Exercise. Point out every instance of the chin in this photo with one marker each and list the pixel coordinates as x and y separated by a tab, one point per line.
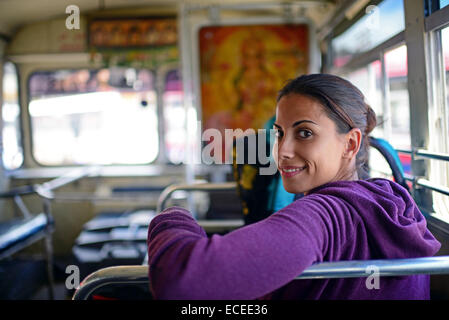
295	189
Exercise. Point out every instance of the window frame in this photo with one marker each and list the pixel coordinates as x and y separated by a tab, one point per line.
438	95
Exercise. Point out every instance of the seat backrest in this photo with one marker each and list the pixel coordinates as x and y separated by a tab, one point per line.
391	156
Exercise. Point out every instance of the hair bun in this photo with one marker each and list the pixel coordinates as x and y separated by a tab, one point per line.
371	120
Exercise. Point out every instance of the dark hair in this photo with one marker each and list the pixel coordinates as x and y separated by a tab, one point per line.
343	103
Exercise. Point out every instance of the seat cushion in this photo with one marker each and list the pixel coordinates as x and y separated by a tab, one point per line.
17	231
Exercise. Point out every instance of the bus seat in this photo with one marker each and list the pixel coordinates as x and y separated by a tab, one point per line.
112	238
391	156
100	284
18	233
21	232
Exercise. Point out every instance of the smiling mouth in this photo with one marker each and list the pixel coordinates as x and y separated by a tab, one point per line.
291	171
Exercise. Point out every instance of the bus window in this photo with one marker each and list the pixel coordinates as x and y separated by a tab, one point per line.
396	72
440	169
445	45
368	80
180	140
378	24
105	116
174	118
12	153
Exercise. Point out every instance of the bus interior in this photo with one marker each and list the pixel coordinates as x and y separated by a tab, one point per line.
104	104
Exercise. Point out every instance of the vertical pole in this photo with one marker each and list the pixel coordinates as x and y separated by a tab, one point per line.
159	86
188	89
49	248
418	84
386	105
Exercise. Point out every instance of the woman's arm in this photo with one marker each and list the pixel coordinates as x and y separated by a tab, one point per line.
244	264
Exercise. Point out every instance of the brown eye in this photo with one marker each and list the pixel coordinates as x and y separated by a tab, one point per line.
304	133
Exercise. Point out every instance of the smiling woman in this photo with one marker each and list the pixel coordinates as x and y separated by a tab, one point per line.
322	122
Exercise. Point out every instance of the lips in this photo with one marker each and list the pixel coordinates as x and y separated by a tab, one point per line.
290	171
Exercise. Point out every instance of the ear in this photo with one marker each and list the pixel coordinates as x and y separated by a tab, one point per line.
353	140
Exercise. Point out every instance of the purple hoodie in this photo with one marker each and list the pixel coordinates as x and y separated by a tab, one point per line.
343	220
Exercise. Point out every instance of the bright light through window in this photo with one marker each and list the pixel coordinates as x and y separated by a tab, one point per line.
12	153
93	117
396	69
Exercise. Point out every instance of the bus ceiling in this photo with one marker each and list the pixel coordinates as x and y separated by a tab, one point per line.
14	14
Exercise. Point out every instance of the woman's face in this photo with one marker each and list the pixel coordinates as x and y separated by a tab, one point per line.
308	150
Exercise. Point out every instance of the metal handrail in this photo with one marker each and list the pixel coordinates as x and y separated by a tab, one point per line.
46	189
426	154
418	181
165	195
324	270
432	186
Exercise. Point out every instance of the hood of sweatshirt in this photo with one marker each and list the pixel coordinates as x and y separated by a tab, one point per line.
395	227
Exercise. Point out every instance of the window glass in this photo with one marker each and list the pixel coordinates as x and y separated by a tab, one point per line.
174	118
380	23
368	80
444	3
180	140
396	69
439	170
105	116
12	153
445	45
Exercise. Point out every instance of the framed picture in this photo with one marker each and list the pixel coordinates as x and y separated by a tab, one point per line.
242	67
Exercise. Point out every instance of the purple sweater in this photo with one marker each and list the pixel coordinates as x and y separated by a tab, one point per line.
344	220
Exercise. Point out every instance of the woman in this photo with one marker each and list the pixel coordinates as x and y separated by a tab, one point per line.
322	124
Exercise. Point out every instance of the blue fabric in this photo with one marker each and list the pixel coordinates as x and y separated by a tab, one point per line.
15	232
386	145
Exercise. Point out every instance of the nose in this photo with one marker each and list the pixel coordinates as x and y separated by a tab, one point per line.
285	149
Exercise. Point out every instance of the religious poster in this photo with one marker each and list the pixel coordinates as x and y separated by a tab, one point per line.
243	68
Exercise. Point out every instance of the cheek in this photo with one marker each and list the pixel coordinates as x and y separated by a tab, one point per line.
322	155
274	152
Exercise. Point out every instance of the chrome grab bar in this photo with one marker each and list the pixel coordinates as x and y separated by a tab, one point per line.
165	195
45	190
425	154
324	270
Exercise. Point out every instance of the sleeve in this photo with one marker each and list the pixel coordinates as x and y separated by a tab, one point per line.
246	263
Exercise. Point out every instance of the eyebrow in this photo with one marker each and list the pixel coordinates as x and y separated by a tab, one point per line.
296	123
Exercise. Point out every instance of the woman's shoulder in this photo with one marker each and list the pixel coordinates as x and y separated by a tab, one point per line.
370	185
358	194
